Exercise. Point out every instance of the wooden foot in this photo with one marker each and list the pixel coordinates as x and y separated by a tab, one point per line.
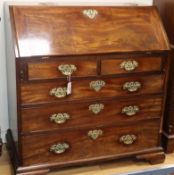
152	158
15	161
11	148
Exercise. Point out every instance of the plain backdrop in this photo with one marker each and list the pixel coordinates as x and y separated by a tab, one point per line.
3	86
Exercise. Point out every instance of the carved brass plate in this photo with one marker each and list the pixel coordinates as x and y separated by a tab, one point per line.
60	118
129	65
59	92
96	108
67	69
94	134
128	139
90	13
97	85
132	86
59	148
130	110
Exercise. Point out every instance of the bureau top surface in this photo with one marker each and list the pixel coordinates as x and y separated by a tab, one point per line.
56	31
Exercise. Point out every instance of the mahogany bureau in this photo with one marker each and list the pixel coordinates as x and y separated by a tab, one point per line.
86	84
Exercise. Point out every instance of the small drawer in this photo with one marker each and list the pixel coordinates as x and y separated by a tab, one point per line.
140	64
55	69
70	115
44	92
63	147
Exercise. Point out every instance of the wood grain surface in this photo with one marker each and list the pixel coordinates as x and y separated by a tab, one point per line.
36	147
49	70
40	92
145	64
166	9
47	36
38	118
67	31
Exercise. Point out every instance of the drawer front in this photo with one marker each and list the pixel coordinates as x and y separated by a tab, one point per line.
119	66
86	89
95	113
75	145
56	69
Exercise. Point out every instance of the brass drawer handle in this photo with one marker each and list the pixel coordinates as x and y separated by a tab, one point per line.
67	69
132	86
59	118
128	139
96	108
129	65
59	92
59	148
97	85
130	110
90	13
94	134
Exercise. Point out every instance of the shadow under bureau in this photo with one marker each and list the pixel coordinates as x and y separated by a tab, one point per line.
85	85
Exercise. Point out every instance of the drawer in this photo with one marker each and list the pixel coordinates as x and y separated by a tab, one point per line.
32	93
64	147
70	115
56	69
141	64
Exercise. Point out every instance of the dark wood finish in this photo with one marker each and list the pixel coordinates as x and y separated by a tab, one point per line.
15	159
38	118
32	93
82	147
166	9
49	70
46	167
13	153
129	29
112	66
95	46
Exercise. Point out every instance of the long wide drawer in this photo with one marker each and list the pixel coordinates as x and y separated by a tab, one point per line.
94	88
76	145
70	115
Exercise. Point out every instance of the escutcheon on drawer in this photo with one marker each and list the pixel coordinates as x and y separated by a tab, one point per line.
63	147
45	92
130	65
61	68
63	116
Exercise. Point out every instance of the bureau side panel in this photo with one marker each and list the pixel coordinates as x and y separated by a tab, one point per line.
166	9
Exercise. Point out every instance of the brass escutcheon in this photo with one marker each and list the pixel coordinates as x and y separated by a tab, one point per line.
90	13
96	108
67	69
129	65
132	86
130	110
59	148
94	134
59	92
128	139
97	85
59	118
